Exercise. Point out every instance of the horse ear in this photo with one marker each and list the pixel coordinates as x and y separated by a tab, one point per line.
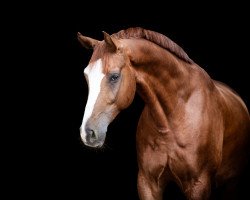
111	42
87	42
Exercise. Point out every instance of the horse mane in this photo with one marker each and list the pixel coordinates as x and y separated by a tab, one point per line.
157	38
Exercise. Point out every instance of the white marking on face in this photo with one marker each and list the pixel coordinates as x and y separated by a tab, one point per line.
94	73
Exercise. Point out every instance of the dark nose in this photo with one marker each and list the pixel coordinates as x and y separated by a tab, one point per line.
91	136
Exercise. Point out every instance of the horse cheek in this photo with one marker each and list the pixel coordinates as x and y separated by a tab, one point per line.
127	89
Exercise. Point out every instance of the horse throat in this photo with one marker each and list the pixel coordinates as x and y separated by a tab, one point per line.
164	88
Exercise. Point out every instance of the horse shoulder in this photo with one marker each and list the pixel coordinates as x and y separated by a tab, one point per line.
236	132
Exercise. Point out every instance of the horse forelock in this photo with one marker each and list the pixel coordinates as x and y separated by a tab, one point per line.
101	50
98	52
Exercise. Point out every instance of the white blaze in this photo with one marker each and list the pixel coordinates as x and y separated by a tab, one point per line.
95	76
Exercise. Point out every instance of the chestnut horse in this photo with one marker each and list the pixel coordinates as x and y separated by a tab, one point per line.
193	130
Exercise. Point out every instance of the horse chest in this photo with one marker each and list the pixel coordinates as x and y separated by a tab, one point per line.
159	153
167	163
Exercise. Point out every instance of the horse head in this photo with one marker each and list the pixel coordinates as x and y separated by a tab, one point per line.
111	84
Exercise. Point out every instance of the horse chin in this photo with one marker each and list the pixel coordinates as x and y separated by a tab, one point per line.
95	145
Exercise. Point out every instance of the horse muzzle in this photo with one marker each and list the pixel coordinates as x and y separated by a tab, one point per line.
92	137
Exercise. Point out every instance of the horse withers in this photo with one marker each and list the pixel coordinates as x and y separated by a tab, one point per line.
193	130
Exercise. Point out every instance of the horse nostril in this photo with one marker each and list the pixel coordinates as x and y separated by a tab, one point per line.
91	133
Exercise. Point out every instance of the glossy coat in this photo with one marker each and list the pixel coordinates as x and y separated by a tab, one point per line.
193	130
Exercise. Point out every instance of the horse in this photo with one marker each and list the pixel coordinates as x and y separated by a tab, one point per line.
193	130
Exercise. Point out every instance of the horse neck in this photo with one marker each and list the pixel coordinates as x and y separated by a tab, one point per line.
163	81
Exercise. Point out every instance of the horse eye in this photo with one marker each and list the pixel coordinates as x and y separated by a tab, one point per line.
113	78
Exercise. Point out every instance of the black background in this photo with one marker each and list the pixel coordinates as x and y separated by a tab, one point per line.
52	160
